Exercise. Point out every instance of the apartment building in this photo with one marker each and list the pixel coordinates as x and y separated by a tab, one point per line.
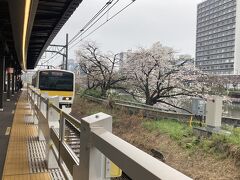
218	37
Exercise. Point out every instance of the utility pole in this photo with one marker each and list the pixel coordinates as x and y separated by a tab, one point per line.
63	63
66	60
2	78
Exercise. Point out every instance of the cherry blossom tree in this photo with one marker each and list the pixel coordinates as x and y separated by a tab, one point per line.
218	84
157	76
99	69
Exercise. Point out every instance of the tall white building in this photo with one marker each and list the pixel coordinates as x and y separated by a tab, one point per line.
218	36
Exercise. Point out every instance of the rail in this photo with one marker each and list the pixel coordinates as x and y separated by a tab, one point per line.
97	145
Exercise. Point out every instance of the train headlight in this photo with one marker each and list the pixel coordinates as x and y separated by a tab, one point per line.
67	98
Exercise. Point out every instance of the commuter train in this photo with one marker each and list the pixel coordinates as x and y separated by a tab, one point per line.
59	83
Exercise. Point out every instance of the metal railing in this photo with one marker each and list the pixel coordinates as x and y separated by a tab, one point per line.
146	110
131	103
97	145
156	113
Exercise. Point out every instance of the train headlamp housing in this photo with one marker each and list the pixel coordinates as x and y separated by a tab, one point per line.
67	98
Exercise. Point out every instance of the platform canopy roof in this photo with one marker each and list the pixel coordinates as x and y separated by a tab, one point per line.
28	26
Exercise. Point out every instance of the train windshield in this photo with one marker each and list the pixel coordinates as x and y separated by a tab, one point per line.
56	80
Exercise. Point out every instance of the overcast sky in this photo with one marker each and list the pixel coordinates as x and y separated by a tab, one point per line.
172	22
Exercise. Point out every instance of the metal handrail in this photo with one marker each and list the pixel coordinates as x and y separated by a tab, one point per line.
137	160
72	120
65	154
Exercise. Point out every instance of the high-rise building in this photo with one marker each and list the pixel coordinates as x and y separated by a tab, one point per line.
72	65
218	36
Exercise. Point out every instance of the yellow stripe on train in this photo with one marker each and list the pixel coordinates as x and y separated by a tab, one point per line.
57	93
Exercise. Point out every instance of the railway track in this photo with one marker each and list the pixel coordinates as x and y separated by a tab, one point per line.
72	138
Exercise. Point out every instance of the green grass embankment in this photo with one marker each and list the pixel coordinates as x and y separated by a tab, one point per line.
220	145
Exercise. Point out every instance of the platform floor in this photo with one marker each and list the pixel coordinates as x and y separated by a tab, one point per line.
6	119
17	164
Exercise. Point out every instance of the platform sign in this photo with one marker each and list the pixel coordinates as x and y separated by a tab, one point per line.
9	70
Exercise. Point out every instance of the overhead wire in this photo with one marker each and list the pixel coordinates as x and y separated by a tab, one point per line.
92	19
113	16
85	26
81	32
51	57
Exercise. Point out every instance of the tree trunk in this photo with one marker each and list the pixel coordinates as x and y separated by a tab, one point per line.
103	92
149	101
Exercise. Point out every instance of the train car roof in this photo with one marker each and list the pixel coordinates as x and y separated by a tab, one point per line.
40	70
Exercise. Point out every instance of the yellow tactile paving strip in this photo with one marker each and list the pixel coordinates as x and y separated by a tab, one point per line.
16	165
38	176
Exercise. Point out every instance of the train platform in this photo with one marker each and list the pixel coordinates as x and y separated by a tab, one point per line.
25	154
6	119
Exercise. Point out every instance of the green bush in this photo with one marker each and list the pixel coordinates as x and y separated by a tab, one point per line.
91	92
217	144
173	128
220	143
234	137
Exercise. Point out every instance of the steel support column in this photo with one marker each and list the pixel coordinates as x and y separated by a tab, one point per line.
2	69
5	77
16	83
8	86
13	82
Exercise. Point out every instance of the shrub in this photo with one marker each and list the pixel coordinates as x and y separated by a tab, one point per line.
173	128
92	92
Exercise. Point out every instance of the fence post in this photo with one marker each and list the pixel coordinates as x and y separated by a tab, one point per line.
53	122
27	91
35	98
51	114
39	102
61	135
33	95
36	121
43	107
92	161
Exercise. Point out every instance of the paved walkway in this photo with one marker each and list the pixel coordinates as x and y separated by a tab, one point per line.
17	165
6	119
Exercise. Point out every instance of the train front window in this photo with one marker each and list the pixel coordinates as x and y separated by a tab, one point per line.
56	80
